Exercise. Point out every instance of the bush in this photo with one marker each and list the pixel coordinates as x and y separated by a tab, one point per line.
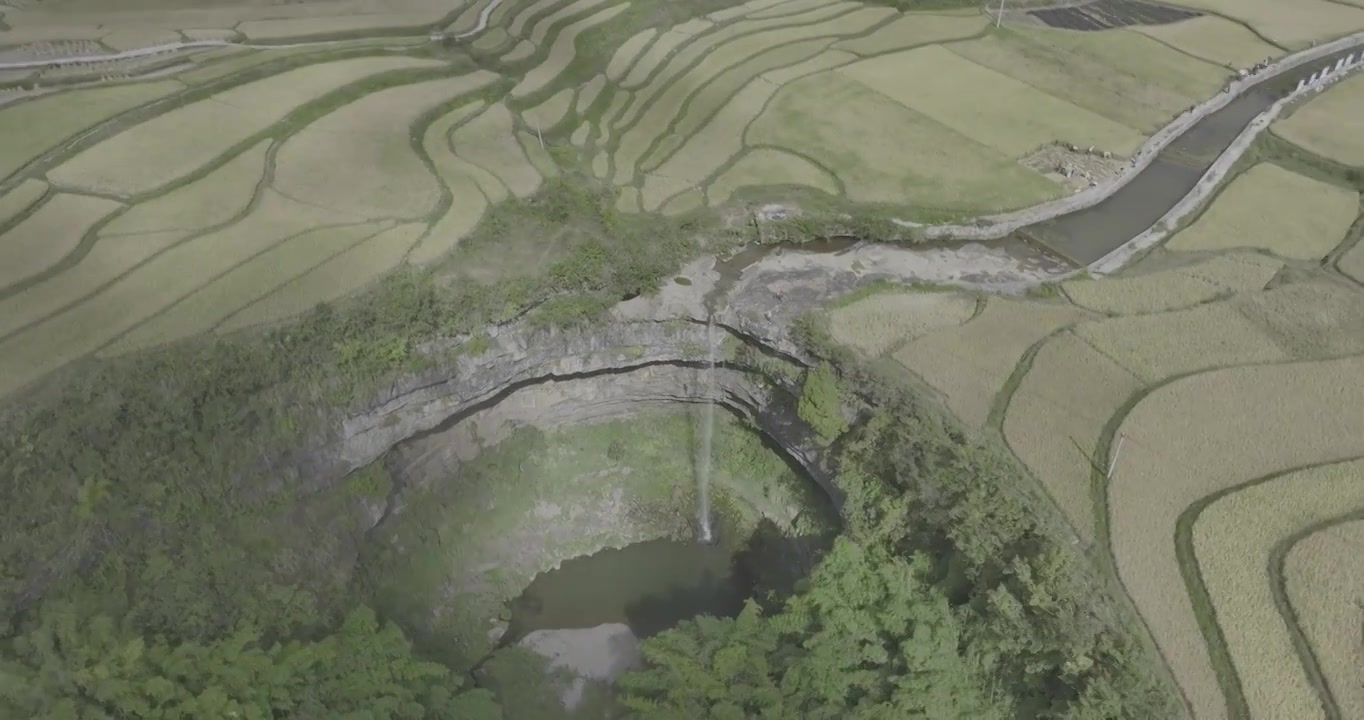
820	405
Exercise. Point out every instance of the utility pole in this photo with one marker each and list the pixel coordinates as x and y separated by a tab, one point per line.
999	17
1116	450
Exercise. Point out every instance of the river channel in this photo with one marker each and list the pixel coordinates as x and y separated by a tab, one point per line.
1086	235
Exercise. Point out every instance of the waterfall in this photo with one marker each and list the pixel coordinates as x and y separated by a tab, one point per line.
707	429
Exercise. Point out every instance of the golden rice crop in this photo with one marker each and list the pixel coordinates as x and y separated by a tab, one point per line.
971	99
276	29
659	188
665	107
1194	437
742	9
827	60
678	62
1212	38
880	322
523	50
51	233
519	22
790	7
1275	209
1325	582
1352	263
970	364
1056	416
685	202
255	278
19	199
487	141
378	175
589	92
1126	77
191	136
1174	288
885	152
30	128
467	200
1291	23
215	198
769	166
108	259
561	51
717	142
711	94
548	113
136	296
1233	538
1309	320
580	135
1331	124
913	30
626	54
1158	346
340	276
540	31
654	54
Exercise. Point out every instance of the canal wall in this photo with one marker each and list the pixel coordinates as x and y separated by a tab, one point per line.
1169	223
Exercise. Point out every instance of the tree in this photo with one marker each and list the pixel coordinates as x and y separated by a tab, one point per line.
70	667
819	404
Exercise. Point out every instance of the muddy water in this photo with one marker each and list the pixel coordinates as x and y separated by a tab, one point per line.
1087	235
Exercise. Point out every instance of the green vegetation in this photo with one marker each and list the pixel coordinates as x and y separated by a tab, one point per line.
949	596
539	498
66	665
819	403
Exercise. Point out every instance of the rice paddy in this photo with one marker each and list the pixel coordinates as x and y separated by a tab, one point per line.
1214	39
883	151
1174	289
1293	24
1331	124
1056	417
52	232
1271	208
1233	539
766	166
379	176
970	364
1119	75
194	135
1197	436
1325	585
876	324
969	98
29	129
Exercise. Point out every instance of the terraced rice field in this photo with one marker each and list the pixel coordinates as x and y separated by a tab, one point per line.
1215	39
1233	539
1331	124
1292	24
30	128
970	363
1174	289
192	136
876	324
1275	209
1325	587
1123	76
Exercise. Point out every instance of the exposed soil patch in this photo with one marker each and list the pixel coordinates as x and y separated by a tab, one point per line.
1075	169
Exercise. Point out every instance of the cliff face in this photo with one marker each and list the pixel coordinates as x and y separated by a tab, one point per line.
548	379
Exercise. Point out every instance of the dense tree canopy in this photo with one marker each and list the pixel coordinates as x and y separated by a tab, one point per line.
69	667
